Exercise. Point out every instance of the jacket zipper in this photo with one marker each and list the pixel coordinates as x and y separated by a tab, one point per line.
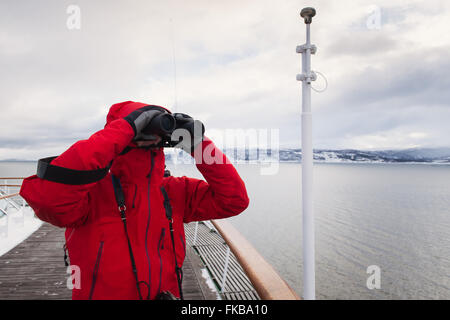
96	267
183	242
148	223
160	246
134	198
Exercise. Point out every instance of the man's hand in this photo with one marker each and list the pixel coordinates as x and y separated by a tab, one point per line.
139	119
188	132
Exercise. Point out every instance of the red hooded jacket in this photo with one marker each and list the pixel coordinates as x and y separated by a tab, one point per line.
95	235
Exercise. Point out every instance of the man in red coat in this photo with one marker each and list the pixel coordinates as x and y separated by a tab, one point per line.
136	251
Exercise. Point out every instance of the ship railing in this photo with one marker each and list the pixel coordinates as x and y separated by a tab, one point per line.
15	214
266	281
9	194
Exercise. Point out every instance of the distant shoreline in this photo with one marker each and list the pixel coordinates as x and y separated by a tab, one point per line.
15	160
239	162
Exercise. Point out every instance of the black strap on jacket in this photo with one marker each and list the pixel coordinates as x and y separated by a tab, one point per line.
178	270
53	173
120	198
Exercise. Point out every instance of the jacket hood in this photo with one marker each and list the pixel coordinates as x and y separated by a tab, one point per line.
138	163
122	109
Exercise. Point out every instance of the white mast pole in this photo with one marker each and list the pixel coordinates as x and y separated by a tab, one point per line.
309	285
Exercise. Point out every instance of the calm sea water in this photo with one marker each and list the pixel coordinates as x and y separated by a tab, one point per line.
394	216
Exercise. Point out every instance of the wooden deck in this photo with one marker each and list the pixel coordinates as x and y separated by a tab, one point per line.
35	270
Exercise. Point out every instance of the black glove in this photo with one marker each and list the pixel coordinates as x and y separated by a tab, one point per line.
195	130
139	119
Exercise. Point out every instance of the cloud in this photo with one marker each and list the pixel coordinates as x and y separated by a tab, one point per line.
235	67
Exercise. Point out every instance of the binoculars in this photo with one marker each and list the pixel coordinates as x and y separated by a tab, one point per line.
164	124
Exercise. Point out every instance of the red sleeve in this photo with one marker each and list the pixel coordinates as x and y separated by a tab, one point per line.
67	205
222	195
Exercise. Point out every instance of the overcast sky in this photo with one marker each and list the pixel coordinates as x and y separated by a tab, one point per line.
387	65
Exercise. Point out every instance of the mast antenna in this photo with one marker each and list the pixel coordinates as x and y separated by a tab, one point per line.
174	64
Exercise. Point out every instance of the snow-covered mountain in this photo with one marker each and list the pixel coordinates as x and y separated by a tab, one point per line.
418	155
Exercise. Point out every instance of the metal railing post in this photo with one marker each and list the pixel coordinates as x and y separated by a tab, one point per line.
194	241
225	270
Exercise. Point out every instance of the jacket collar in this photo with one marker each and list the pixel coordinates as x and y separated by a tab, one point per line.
136	165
